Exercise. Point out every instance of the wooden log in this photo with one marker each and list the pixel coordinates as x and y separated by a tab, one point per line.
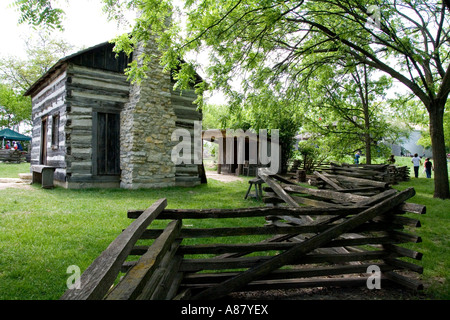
404	281
183	295
100	275
314	203
405	221
303	248
413	208
358	181
406	237
294	284
210	278
189	265
160	274
132	284
404	265
279	190
171	271
328	180
170	214
232	232
266	230
403	251
377	198
326	194
278	246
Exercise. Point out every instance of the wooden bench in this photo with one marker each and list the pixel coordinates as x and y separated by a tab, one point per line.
257	182
44	175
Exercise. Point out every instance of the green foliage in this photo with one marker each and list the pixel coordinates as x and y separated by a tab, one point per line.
344	108
39	13
14	107
311	154
43	50
17	75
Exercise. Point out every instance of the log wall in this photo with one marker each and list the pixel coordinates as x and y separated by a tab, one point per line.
187	114
89	92
49	102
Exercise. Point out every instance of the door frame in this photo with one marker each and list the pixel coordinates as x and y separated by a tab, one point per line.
44	139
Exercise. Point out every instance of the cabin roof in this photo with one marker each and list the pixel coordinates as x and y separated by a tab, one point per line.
78	58
62	61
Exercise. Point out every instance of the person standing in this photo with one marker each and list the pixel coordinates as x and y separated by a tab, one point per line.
428	167
416	163
357	156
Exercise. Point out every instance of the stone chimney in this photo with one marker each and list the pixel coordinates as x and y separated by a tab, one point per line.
147	122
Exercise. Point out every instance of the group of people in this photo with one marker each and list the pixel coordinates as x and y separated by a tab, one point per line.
417	161
15	145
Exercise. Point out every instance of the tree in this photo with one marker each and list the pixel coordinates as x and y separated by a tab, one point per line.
14	108
407	40
17	75
425	139
346	107
42	53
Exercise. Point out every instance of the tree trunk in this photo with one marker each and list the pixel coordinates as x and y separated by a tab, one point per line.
368	148
367	138
441	181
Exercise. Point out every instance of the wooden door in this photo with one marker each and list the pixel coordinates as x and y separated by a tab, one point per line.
43	149
108	144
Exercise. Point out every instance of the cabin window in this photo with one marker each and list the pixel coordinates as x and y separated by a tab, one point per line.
55	131
107	144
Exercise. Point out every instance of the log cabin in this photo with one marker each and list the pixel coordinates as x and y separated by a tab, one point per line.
96	129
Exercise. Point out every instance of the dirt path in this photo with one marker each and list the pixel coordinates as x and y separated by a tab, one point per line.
6	183
222	177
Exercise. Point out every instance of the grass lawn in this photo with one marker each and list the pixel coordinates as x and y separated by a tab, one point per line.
43	232
13	170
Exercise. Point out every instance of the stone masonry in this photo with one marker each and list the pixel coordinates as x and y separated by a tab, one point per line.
147	122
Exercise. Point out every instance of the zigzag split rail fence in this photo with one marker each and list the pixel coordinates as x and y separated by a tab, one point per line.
328	242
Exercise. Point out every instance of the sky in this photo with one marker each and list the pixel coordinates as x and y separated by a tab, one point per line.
85	25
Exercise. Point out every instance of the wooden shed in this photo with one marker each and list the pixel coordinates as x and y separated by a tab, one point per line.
79	110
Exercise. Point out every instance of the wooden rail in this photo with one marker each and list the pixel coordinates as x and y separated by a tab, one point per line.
296	253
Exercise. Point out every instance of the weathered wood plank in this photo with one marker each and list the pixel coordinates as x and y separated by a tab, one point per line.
404	265
211	278
255	247
294	284
159	275
134	281
358	181
254	261
328	180
404	281
314	203
99	276
326	194
248	212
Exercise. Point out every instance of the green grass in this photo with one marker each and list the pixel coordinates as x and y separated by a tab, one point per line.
434	231
42	232
12	170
